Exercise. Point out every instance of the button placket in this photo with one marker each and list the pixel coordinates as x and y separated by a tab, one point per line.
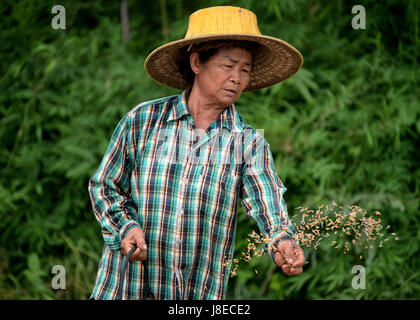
179	215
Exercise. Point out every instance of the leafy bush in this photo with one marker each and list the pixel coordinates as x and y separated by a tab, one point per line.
345	128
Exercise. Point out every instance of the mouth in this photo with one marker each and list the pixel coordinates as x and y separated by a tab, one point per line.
230	92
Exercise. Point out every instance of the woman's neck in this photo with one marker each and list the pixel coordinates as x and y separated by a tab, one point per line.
201	109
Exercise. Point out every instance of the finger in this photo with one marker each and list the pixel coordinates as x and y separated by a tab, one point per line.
139	255
126	246
139	242
299	258
289	253
295	271
291	271
286	269
278	259
142	255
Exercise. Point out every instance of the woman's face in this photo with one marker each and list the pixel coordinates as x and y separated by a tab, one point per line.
222	79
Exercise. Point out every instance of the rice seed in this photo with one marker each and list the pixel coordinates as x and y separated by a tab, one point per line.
359	228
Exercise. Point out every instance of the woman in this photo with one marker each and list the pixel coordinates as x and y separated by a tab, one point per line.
175	168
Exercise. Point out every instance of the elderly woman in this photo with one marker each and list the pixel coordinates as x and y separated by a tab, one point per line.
175	168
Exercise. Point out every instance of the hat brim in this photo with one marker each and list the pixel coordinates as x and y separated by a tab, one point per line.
275	62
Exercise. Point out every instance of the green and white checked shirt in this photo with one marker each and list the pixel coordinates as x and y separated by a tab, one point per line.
183	193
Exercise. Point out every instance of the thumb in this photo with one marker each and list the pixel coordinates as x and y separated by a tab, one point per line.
141	243
141	252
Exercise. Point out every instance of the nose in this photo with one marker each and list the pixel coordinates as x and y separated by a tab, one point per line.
235	76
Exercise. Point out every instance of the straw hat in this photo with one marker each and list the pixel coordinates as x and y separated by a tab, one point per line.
274	62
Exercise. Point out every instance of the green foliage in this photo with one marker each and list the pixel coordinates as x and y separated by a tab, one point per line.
344	128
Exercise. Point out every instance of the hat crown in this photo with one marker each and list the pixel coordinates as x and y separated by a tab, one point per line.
222	20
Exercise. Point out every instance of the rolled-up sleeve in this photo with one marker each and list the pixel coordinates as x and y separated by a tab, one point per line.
262	194
109	188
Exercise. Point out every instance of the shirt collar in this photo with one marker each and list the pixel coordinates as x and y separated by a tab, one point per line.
228	119
179	107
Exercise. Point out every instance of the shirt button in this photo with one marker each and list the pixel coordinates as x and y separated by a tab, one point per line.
181	211
184	181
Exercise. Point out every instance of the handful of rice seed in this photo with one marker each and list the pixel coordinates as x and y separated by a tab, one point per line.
343	228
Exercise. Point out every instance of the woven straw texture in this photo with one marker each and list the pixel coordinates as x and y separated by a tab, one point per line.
276	61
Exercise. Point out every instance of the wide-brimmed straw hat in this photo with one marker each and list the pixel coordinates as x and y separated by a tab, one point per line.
275	61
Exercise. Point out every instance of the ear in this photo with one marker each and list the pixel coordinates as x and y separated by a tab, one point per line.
195	63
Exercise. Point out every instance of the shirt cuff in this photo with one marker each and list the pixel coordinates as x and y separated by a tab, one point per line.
282	236
126	227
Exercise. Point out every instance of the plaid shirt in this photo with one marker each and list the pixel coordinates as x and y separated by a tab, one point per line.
183	193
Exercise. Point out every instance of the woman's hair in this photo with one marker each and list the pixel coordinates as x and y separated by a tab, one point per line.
206	50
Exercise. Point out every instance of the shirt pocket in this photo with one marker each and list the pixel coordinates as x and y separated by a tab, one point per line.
221	178
219	187
229	183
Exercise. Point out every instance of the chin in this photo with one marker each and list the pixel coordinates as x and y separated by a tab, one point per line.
227	101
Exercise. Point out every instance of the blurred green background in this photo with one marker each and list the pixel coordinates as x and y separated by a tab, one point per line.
345	128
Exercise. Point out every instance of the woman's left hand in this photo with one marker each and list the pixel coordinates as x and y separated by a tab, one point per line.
289	256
